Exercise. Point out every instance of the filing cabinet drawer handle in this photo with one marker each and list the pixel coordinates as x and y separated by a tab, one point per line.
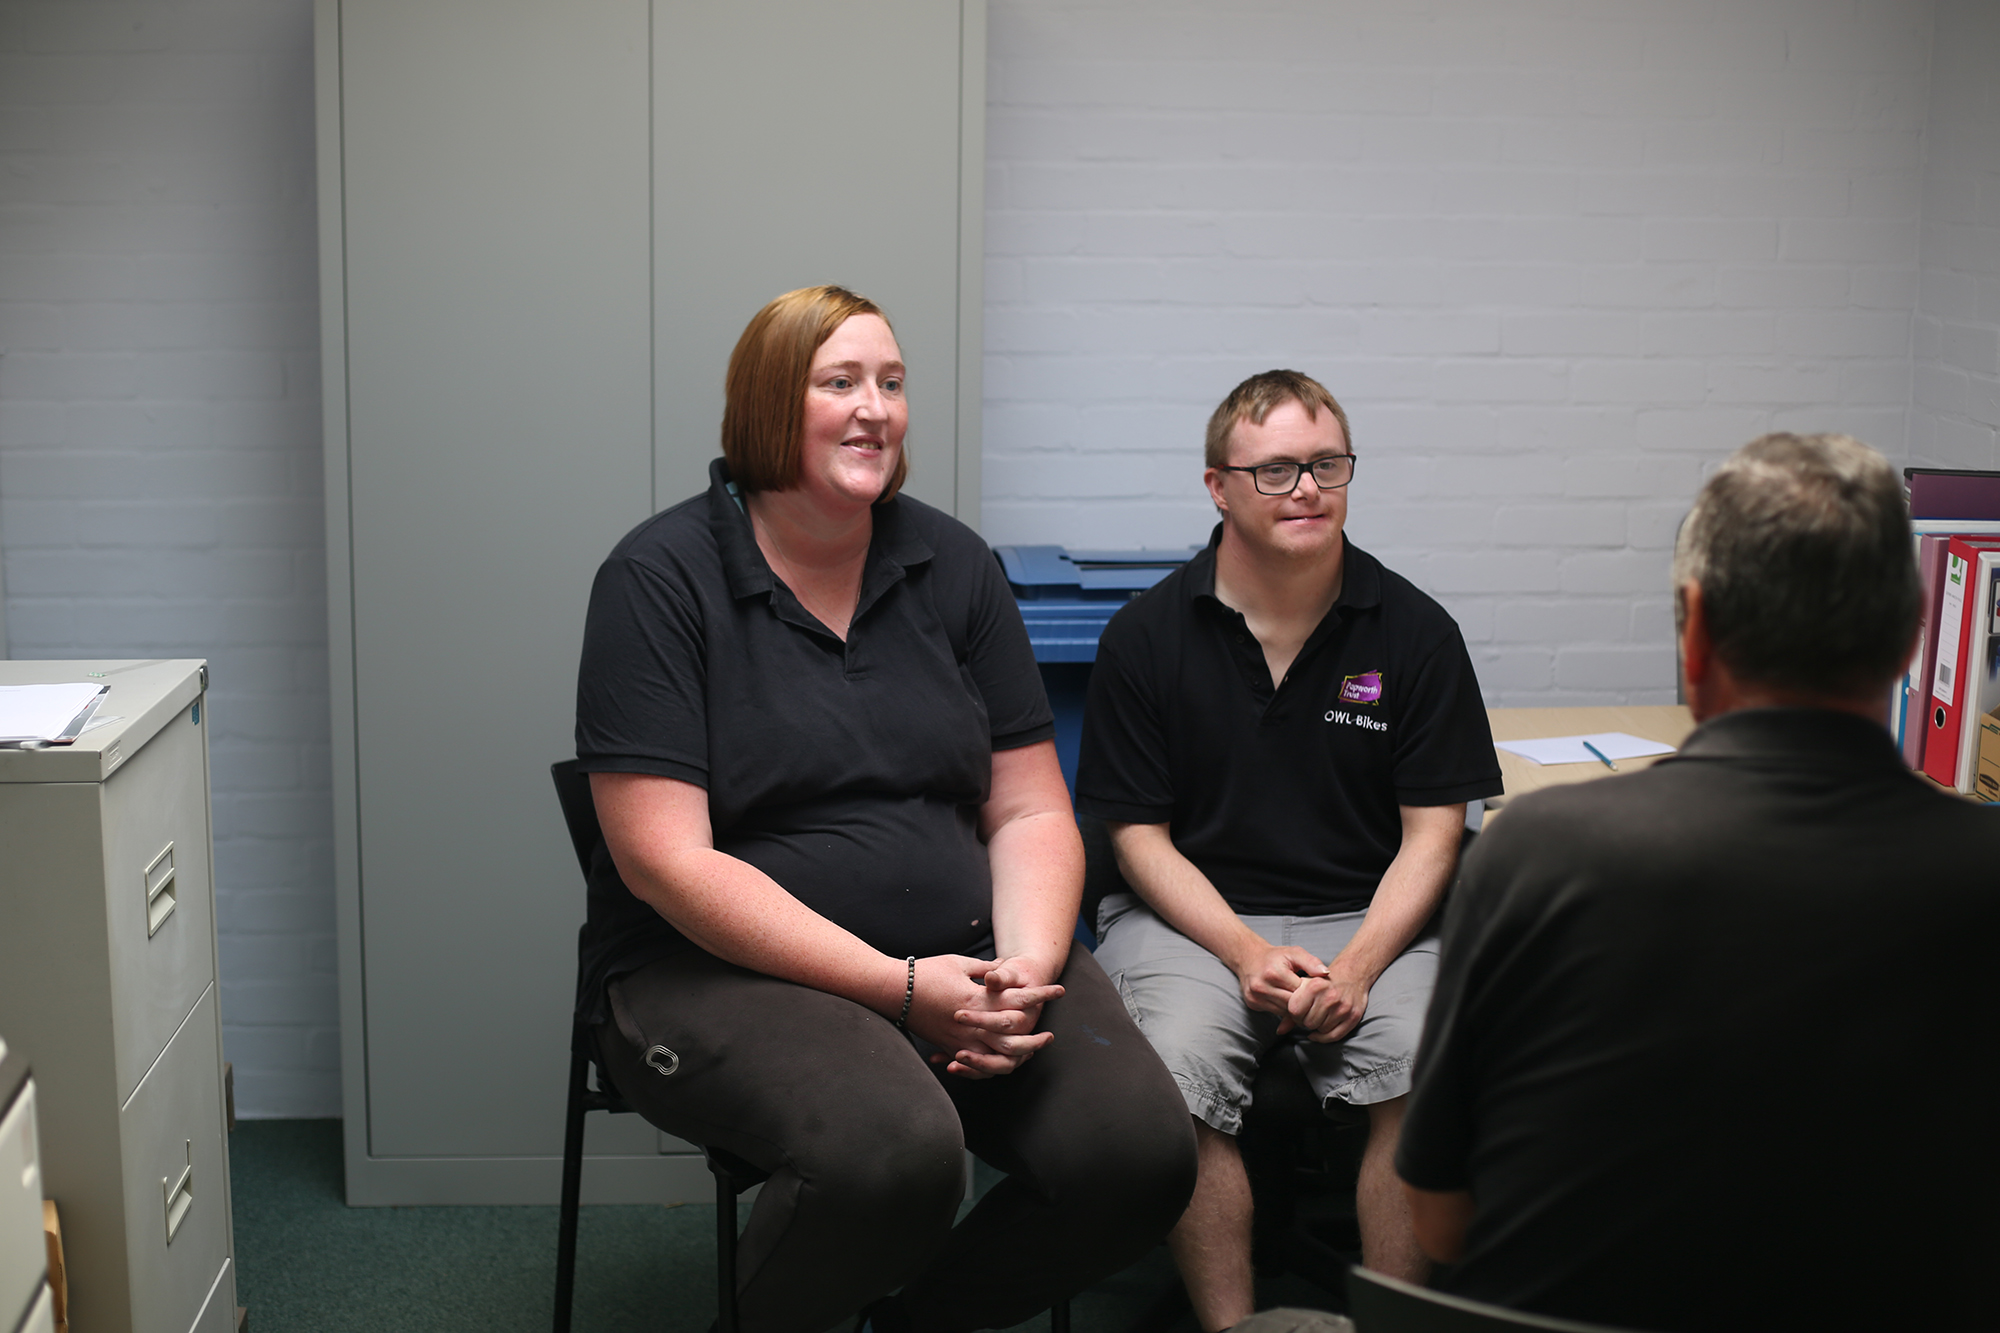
179	1194
159	891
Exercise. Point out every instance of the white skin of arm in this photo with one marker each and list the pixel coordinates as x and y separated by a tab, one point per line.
1410	891
1037	865
1326	999
659	836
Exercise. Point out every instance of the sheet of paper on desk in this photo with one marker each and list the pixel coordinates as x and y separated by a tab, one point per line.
1616	745
42	712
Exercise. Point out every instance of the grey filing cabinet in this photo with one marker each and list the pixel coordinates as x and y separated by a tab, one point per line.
108	989
26	1304
542	228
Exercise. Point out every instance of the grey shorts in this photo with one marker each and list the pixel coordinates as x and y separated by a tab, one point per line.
1190	1007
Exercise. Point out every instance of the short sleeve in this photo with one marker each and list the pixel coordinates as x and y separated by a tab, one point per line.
641	690
1435	1150
1444	745
1002	661
1122	772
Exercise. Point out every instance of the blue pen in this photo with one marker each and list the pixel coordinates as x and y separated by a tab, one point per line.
1600	756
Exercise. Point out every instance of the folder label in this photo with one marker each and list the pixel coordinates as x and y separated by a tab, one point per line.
1951	624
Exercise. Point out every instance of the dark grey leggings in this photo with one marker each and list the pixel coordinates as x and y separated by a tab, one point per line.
864	1142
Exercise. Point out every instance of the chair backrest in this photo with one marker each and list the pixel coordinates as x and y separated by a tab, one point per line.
580	815
579	811
1381	1304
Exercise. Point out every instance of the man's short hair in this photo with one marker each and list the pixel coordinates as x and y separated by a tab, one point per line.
1801	546
764	391
1256	398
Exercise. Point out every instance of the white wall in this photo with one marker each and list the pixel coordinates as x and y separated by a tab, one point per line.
1553	258
1955	408
160	483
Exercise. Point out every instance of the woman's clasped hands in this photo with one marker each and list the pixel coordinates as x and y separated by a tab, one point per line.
981	1015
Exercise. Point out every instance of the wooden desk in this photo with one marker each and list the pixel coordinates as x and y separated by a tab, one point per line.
1666	723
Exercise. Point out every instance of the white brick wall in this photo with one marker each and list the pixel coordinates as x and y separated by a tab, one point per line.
1554	259
1955	404
159	441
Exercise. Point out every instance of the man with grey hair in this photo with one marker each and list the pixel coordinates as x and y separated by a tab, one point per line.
1713	1045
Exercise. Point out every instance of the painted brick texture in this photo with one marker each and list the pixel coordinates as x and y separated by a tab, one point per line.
1555	261
1955	402
160	465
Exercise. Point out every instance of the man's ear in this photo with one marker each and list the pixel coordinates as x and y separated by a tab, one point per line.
1697	648
1212	478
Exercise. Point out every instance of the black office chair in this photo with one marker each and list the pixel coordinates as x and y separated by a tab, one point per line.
1379	1304
591	1089
1303	1162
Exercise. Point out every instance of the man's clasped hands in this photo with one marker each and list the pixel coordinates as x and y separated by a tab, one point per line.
1302	991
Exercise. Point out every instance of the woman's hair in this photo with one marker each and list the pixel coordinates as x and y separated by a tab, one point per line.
763	417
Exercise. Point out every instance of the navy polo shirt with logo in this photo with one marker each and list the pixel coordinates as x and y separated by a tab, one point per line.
1286	799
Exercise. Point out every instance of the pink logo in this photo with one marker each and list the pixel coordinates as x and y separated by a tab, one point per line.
1365	688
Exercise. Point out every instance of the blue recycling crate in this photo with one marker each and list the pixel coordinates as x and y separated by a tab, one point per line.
1066	598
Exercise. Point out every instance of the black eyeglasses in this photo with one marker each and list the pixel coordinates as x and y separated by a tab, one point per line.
1329	474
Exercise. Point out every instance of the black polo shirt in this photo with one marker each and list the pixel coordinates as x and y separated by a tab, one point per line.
1712	1045
851	773
1286	799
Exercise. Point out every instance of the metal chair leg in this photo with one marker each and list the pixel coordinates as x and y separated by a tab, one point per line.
1059	1317
572	1191
725	1248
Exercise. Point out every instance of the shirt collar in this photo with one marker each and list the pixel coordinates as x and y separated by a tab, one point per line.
893	543
1360	582
1817	736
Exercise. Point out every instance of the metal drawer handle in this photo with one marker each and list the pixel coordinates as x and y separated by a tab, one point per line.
662	1059
179	1194
159	891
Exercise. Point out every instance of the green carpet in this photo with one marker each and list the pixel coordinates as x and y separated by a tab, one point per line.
307	1263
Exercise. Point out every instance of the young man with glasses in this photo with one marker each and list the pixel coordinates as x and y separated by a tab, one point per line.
1282	736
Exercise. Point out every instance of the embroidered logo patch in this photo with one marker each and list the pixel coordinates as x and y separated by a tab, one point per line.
1365	688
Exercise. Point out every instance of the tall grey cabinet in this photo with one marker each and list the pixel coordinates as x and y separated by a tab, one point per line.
542	228
108	989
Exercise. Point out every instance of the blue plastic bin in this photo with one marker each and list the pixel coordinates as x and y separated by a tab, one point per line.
1066	598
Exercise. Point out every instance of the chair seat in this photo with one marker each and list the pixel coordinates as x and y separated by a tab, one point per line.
1380	1304
740	1174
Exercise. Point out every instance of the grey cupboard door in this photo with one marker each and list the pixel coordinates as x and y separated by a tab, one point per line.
802	143
543	227
495	218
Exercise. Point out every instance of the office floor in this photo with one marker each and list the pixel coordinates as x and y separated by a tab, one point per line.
307	1263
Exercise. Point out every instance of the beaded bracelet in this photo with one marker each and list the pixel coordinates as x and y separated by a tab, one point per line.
909	993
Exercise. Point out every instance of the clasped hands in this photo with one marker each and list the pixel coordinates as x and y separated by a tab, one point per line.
981	1015
1302	991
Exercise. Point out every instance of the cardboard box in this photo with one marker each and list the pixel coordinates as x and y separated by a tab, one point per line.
1986	777
58	1271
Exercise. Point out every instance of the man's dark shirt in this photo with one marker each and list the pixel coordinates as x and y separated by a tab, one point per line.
851	773
1286	799
1714	1044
